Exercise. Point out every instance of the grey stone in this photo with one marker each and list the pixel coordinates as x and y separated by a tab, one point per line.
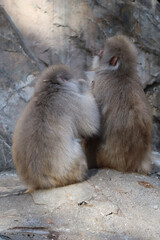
71	32
63	194
153	95
109	205
16	86
36	34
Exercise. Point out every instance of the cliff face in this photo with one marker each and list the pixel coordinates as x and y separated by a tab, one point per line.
37	33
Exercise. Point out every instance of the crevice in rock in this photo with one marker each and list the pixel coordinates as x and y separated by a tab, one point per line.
91	20
81	44
151	86
96	2
22	42
7	100
43	62
75	38
156	120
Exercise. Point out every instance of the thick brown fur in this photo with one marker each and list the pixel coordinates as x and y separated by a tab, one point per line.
46	145
126	121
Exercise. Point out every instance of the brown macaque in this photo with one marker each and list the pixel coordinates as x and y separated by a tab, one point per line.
126	122
46	147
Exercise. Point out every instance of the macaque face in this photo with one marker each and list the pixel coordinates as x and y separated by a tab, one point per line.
62	78
57	75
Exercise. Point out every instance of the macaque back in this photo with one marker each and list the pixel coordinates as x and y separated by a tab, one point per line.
46	145
125	142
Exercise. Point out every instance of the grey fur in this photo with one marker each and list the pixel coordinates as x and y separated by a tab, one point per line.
126	118
46	147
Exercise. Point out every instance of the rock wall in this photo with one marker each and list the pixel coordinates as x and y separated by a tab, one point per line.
37	33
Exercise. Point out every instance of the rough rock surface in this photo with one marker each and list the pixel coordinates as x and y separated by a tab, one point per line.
110	205
16	85
37	33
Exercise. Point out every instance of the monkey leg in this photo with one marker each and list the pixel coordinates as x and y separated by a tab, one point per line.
29	190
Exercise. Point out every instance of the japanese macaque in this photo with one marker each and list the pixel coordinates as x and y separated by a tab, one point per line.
126	121
46	147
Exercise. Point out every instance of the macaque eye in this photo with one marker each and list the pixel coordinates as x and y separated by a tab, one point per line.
113	61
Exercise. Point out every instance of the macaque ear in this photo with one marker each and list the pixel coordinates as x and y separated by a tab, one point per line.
113	61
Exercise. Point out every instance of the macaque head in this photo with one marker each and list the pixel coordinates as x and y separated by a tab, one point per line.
119	54
57	74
